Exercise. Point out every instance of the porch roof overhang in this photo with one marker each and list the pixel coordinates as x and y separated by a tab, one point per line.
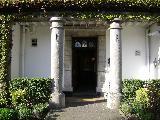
128	10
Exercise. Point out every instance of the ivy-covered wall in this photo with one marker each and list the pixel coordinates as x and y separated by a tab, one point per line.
78	4
5	57
128	10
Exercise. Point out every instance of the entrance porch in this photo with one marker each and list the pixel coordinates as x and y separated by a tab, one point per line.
33	53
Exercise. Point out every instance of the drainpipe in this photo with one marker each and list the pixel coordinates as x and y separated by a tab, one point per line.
147	46
22	51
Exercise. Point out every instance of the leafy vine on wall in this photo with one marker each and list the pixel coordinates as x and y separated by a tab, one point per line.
5	57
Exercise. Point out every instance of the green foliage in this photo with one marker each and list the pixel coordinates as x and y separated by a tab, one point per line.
18	96
8	114
30	90
30	97
25	113
83	2
36	112
139	105
129	87
39	90
109	16
5	57
128	10
18	83
142	102
3	99
141	111
40	110
126	108
154	97
142	96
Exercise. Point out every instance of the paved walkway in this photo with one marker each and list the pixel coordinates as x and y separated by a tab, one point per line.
84	109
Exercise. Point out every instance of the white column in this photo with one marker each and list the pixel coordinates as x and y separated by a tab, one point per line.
114	95
57	62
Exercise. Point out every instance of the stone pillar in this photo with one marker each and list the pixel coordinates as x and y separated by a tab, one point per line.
114	95
57	62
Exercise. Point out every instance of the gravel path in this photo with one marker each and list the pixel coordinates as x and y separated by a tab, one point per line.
84	109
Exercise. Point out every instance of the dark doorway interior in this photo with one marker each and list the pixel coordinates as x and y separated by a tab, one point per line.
84	70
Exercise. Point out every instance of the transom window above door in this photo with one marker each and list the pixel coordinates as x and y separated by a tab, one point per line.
84	43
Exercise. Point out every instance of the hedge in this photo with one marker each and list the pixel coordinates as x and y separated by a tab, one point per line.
29	98
141	99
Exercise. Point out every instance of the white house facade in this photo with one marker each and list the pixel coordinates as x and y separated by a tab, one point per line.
87	50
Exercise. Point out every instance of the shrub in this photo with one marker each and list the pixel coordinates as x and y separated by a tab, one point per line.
142	96
141	104
39	90
138	106
3	101
154	97
40	110
29	97
139	101
126	108
25	113
129	86
30	90
18	96
8	114
18	83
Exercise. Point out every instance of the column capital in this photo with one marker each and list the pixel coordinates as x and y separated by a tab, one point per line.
116	24
57	22
56	19
117	20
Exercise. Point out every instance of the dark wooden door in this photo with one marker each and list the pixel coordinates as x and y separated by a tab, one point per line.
84	64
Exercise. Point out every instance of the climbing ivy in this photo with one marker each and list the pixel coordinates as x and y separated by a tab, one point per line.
139	10
102	6
141	17
5	57
151	3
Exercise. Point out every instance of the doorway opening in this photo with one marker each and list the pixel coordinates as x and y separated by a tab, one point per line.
84	65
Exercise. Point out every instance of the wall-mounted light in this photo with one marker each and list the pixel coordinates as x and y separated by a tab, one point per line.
156	62
109	61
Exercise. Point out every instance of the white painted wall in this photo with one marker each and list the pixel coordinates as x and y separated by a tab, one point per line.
15	51
37	59
133	38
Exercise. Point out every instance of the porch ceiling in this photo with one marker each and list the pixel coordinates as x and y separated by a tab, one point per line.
100	25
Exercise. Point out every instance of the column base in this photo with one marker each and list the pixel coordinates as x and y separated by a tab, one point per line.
113	100
57	100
